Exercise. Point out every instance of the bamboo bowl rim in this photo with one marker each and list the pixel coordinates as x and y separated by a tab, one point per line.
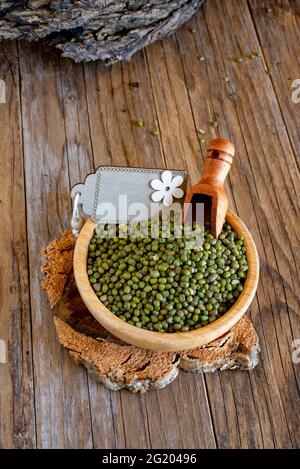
175	341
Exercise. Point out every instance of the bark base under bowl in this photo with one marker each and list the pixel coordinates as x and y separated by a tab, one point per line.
116	364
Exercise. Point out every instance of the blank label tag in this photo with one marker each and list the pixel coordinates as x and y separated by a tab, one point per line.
118	195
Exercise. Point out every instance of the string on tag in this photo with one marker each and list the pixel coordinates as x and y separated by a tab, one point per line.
77	217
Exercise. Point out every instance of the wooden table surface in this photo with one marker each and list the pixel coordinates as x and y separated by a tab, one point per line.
60	121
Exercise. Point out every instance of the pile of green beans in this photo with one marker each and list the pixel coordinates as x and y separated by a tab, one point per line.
164	285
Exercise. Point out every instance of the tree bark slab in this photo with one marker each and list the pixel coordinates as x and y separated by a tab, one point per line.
87	30
116	364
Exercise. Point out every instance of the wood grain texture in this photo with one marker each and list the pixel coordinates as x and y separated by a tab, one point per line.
17	414
47	192
252	115
113	106
74	118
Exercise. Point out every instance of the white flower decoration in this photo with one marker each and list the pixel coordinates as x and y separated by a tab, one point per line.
167	188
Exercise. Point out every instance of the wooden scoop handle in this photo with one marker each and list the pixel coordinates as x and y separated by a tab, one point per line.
219	157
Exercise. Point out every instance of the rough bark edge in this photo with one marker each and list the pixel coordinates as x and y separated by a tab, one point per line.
59	256
126	47
85	31
238	348
119	366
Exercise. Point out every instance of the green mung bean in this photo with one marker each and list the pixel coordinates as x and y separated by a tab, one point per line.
164	285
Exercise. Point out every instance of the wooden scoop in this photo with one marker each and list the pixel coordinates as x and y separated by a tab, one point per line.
209	190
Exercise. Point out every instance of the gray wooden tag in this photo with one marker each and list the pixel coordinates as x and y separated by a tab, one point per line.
126	189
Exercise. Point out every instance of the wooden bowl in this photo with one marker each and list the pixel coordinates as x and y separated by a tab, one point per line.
175	341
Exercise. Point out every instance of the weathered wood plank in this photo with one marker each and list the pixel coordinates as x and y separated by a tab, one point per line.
78	147
112	134
181	418
263	183
113	109
278	28
17	415
107	425
62	399
281	20
114	105
205	84
185	146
